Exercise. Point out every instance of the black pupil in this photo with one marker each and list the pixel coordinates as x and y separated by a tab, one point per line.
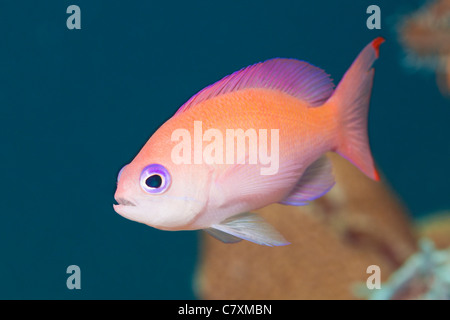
154	181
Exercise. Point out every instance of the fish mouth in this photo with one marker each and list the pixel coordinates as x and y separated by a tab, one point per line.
127	208
124	202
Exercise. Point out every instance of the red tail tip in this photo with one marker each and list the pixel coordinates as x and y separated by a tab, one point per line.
376	44
377	175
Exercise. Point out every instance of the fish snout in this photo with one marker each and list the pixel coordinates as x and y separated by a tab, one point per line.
124	205
123	196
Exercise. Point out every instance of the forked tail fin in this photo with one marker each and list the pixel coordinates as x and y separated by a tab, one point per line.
351	99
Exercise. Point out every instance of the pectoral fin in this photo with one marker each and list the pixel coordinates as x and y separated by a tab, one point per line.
316	181
222	236
250	227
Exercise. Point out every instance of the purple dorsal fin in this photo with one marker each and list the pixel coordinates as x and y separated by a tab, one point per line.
294	77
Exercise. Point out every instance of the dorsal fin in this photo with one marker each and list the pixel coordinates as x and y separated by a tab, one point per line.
294	77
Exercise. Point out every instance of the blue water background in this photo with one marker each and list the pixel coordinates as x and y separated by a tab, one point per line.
76	105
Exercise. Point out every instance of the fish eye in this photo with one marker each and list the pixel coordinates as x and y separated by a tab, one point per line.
155	179
120	173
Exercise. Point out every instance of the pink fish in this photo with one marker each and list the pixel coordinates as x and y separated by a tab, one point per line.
256	137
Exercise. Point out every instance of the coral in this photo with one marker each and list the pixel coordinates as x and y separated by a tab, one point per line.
425	275
333	240
425	36
436	227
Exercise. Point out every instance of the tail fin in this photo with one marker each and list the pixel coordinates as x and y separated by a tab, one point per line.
351	99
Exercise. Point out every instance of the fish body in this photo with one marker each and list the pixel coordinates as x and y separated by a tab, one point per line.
193	173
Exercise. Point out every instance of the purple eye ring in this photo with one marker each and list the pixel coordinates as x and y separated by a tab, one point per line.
155	179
